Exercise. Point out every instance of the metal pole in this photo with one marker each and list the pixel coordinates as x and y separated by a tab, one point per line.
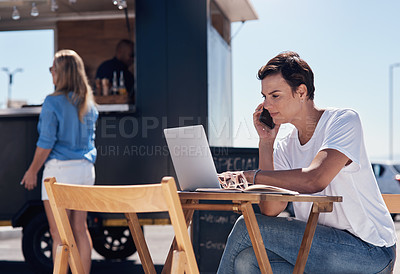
390	113
391	67
10	81
10	76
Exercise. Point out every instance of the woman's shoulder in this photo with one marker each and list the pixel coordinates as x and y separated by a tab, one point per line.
56	102
342	113
53	99
339	118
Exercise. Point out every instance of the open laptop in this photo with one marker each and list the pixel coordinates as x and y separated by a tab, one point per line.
191	157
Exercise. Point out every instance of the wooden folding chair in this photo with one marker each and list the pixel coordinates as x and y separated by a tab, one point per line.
120	199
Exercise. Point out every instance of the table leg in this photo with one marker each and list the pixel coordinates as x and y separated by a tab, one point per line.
255	237
188	218
307	240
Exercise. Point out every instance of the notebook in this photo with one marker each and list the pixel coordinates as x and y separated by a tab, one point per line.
191	157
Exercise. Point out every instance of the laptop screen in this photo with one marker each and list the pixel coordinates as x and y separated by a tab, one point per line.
191	157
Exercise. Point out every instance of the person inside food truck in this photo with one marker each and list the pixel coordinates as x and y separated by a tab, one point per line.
118	67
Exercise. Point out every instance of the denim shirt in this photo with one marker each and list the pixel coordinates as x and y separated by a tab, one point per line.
61	130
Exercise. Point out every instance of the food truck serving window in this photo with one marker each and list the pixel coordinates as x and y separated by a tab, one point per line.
112	38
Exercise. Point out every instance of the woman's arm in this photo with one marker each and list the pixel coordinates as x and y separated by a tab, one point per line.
30	177
316	177
266	163
266	160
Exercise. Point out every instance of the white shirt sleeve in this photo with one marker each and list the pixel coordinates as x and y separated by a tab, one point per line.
344	134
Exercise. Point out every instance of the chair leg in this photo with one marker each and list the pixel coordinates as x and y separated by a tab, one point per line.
188	218
140	243
179	262
61	261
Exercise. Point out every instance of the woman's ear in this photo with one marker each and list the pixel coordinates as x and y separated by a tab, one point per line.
302	91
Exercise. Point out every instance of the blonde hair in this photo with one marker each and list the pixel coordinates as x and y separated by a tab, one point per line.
71	76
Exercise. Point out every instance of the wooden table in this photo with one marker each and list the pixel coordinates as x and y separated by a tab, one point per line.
242	203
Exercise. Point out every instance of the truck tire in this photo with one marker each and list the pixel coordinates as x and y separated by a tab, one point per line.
37	244
113	242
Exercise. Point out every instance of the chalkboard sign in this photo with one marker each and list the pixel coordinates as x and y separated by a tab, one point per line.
230	159
211	228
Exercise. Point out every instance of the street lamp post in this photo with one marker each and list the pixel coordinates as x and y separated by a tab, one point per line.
10	82
391	67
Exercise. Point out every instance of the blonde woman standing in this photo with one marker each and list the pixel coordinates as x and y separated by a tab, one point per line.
66	143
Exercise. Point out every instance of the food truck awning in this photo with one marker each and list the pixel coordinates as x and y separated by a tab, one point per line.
237	10
234	10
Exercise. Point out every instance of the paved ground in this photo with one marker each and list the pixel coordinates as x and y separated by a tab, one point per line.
159	239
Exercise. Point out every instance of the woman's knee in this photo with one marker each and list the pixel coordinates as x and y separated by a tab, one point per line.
246	262
388	269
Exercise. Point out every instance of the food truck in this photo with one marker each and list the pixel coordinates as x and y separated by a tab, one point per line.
182	70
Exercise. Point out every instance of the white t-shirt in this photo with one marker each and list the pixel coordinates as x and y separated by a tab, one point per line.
363	211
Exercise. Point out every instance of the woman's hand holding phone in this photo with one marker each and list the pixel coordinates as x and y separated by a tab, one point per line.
267	130
266	119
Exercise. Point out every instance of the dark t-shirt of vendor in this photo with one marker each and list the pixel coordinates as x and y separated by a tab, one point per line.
107	68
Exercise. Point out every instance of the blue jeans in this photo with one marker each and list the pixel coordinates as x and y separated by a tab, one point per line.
332	250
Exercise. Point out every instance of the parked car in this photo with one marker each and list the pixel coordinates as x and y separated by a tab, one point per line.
388	176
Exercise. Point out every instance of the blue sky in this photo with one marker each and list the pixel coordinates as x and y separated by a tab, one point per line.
32	51
348	44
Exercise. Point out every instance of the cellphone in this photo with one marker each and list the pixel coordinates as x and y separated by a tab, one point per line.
266	119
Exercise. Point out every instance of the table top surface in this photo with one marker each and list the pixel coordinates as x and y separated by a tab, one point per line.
256	197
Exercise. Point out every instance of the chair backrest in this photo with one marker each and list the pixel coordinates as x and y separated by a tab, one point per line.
392	202
121	199
126	199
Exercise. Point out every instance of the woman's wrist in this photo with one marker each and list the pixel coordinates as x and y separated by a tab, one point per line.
266	143
250	175
255	175
33	169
